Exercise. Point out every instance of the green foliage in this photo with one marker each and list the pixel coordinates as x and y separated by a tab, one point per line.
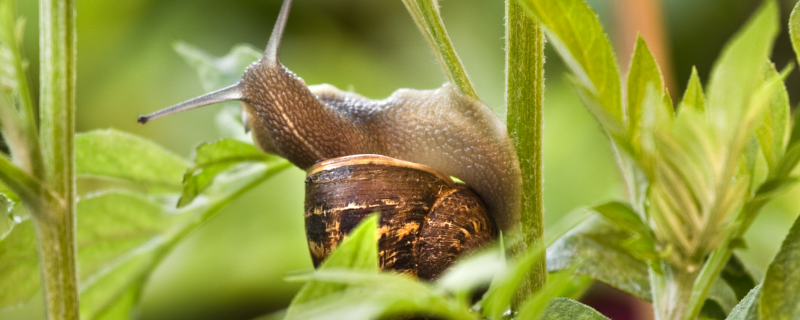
121	156
601	246
690	176
566	309
217	157
359	251
780	293
747	309
19	276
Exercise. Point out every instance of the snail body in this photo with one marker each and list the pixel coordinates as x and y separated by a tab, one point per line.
451	133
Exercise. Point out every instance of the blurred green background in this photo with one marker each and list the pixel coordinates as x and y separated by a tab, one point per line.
234	266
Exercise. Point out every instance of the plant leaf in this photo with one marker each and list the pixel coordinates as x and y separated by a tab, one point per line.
473	272
567	309
773	133
19	265
117	155
216	157
575	31
599	245
780	293
535	306
218	72
694	98
359	251
372	295
643	74
738	72
747	309
794	29
738	277
622	215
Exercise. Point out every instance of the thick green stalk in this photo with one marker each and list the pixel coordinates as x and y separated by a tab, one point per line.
55	222
525	100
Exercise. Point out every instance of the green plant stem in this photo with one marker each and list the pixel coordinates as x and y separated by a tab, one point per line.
525	100
426	15
55	222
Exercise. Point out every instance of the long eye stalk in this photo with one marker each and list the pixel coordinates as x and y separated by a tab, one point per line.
231	93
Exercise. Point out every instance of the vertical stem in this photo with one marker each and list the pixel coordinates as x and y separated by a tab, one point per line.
525	100
55	222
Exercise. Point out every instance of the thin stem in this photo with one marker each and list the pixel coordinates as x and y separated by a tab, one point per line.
56	222
525	100
426	14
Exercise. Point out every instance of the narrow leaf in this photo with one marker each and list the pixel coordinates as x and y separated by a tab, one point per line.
117	155
643	74
534	307
737	73
773	133
780	294
359	251
694	98
471	273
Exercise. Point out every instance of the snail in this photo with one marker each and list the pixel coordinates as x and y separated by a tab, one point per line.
441	131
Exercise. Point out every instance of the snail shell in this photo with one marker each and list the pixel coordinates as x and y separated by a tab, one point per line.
426	219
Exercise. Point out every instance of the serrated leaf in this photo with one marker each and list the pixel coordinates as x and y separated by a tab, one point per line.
747	309
575	31
600	246
694	98
737	73
214	158
780	293
117	155
567	309
19	266
359	251
643	75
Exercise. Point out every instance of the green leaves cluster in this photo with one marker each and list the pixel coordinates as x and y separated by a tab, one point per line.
696	177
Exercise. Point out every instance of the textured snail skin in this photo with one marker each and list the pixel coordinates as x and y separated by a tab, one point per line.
448	131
